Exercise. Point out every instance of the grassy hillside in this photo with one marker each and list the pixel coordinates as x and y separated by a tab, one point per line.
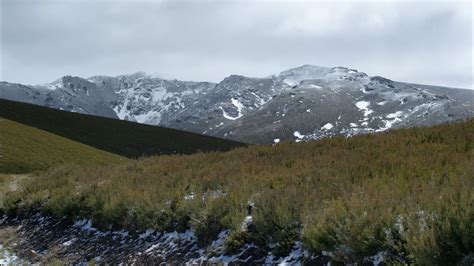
121	137
25	149
408	193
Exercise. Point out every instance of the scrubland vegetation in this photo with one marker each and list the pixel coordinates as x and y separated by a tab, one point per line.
408	193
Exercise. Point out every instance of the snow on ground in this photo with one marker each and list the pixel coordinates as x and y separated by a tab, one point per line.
153	117
220	239
122	111
146	234
394	115
327	126
155	244
69	242
294	76
314	86
150	102
430	106
247	221
402	97
226	115
218	125
298	135
239	107
364	106
377	259
294	258
51	87
290	81
160	94
9	258
353	124
189	196
393	118
84	224
260	100
170	240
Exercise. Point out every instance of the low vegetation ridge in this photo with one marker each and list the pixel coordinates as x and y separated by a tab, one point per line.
120	137
24	149
407	194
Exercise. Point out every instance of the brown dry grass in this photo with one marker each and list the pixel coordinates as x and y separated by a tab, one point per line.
407	192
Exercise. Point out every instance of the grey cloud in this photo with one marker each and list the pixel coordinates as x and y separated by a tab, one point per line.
410	41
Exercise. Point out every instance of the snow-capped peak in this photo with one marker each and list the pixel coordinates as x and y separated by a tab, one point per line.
294	76
302	103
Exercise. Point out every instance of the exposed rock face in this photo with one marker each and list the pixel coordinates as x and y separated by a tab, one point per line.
303	103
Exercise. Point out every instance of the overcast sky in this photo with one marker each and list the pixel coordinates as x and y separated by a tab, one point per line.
415	41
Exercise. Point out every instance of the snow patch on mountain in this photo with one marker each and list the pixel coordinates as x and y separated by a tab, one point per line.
393	118
327	126
239	106
364	106
298	135
314	86
51	87
294	76
151	117
261	101
121	111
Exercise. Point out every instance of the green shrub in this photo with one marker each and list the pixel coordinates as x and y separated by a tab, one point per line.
444	235
277	219
351	231
406	193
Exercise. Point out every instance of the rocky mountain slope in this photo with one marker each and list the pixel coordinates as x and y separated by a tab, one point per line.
303	103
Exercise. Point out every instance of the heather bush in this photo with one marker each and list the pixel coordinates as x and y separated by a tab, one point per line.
407	194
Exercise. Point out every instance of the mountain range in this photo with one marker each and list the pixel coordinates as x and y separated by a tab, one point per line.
302	103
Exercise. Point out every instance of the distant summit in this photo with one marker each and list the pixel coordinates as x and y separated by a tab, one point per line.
302	103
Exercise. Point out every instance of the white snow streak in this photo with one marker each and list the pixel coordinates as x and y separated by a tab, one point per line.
239	107
298	135
395	117
364	106
327	126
